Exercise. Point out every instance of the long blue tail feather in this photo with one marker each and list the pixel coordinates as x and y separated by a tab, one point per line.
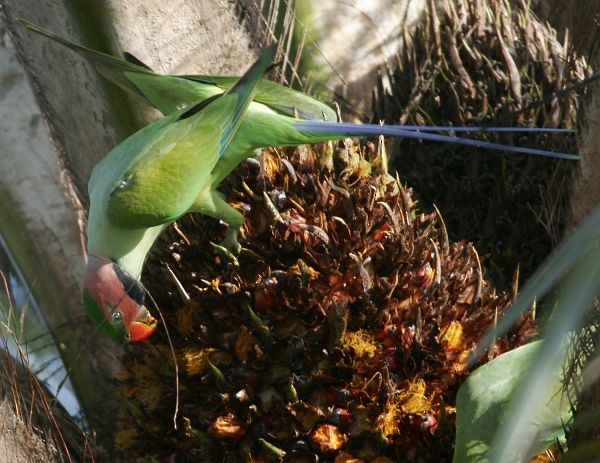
423	133
482	129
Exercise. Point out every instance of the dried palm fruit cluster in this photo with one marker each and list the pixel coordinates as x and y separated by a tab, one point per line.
342	335
489	62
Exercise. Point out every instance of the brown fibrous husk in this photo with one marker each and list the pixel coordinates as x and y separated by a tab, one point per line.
489	63
343	333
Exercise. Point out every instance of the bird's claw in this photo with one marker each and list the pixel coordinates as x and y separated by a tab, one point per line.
225	252
230	242
230	247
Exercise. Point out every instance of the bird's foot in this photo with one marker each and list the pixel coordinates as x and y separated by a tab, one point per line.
229	248
226	253
230	242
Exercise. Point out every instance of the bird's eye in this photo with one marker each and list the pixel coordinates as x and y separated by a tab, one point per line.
117	316
125	182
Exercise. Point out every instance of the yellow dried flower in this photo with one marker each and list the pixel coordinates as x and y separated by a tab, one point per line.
362	343
328	438
388	421
452	336
195	360
461	364
227	427
244	344
270	164
413	399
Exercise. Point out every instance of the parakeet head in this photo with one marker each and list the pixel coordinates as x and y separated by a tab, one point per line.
114	301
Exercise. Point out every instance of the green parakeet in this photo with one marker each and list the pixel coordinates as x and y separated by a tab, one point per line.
174	166
149	180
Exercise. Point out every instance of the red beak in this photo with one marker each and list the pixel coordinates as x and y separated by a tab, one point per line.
143	326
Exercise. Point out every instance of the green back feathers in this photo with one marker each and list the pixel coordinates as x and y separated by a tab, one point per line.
155	176
164	183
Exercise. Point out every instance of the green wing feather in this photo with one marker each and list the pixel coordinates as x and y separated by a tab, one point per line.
283	100
173	93
167	93
174	164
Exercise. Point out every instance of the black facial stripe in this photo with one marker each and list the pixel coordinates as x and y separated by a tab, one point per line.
132	286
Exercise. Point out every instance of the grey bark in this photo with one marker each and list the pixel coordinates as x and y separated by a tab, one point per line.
33	427
18	442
